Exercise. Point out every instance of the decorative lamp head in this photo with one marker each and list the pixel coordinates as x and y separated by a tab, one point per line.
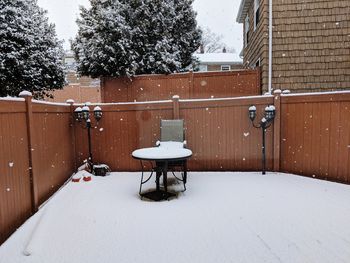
78	112
270	112
252	112
86	112
98	113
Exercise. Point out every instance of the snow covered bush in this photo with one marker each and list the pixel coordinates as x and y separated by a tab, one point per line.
132	37
31	56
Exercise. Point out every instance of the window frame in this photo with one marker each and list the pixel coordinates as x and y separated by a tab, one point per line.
258	63
223	66
256	13
246	30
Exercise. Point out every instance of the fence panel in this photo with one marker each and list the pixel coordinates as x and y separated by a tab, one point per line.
53	147
122	129
186	85
160	87
15	188
36	157
315	135
221	136
219	133
226	84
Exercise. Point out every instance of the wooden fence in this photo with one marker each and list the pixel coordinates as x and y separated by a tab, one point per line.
310	135
198	85
315	135
36	157
41	146
218	132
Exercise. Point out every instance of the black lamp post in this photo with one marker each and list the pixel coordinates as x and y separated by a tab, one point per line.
82	115
265	123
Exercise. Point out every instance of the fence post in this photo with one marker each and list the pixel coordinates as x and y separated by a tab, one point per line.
72	124
277	131
33	177
176	107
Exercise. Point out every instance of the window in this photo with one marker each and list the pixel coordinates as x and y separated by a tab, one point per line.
225	67
256	13
246	27
258	63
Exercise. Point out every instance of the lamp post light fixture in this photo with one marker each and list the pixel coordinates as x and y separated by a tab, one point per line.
78	113
97	113
82	115
264	123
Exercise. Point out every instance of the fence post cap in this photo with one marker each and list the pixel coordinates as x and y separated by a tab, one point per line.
70	101
25	93
277	91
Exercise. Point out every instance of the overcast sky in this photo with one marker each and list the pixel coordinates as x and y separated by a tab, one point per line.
218	15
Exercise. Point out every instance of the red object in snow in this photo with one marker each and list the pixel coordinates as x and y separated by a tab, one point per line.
87	178
75	180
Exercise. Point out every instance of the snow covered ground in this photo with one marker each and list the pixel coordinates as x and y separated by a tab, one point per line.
222	217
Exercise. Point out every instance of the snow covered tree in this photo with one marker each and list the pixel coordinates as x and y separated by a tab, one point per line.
31	57
211	42
132	37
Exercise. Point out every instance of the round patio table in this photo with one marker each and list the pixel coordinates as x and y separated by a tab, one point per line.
162	156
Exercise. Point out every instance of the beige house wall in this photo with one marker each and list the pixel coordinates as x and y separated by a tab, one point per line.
257	47
311	44
218	67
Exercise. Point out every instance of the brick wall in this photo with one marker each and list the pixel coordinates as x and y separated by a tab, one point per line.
78	93
79	88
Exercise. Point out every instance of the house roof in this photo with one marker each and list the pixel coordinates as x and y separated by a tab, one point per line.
218	58
243	10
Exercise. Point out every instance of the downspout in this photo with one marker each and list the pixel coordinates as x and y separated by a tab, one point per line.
270	47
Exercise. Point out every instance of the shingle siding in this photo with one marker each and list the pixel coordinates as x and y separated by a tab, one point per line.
258	41
311	45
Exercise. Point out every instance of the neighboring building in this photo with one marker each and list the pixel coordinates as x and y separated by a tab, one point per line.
218	61
310	43
80	89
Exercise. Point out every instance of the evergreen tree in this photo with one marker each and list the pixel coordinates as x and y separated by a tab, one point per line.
31	56
129	37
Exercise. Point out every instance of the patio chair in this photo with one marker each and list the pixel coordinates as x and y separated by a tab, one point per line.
172	134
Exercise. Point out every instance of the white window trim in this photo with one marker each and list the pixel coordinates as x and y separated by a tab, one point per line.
223	66
258	61
256	6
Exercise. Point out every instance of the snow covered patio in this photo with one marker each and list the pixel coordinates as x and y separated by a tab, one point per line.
222	217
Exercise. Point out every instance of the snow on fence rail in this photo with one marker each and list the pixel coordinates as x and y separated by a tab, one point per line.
41	144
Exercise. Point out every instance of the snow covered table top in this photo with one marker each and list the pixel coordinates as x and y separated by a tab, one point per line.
162	153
